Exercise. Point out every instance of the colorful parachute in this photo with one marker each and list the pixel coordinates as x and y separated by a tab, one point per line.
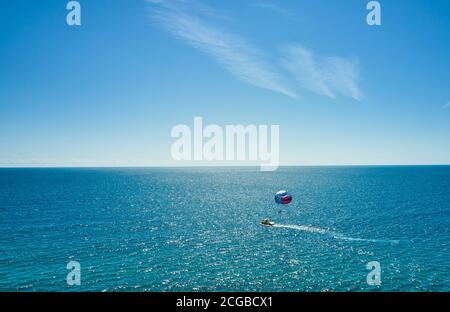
283	197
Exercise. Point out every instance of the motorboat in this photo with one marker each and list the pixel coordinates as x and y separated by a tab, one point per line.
267	222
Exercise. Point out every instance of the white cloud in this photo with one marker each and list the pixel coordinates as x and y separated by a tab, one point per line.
446	106
188	22
327	76
274	8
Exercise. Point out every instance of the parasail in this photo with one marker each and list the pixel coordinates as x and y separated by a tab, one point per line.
283	197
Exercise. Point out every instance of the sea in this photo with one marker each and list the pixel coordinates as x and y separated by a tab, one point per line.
355	228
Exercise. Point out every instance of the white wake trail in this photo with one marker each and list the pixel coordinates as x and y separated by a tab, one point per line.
313	229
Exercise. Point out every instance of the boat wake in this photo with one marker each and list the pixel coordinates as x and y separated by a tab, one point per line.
313	229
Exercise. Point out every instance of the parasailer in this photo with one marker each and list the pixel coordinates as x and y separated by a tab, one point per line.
281	198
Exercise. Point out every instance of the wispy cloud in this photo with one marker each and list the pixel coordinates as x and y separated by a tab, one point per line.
196	24
446	105
327	76
190	23
274	8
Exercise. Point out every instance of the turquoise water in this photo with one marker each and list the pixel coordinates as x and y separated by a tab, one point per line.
198	229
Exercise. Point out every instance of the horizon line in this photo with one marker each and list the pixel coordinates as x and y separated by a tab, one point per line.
220	166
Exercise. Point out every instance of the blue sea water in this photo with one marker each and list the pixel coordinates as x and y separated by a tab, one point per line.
198	229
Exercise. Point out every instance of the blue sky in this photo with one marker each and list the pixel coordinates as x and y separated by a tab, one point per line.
109	91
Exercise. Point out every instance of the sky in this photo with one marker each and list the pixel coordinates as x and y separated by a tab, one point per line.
108	92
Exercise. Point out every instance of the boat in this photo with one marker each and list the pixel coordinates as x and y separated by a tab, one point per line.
267	222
